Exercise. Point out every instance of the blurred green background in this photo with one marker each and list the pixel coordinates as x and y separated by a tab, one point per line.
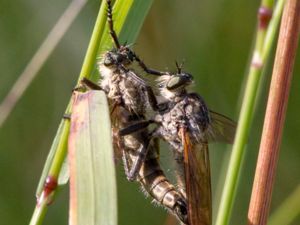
214	38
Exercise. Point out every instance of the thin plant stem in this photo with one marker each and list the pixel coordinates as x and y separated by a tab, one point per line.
275	114
39	58
91	54
264	39
39	214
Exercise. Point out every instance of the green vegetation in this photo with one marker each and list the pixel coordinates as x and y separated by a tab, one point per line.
213	38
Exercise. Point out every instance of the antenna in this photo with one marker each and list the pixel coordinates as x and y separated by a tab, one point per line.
179	67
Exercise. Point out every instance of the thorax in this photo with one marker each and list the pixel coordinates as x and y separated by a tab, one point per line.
188	112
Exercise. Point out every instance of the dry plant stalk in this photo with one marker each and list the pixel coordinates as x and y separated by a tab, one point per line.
275	114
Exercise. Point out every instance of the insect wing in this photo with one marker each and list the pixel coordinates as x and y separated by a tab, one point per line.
134	76
222	129
198	183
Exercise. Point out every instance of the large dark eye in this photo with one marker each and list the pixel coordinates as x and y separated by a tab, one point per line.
188	76
107	61
130	55
179	80
120	58
174	83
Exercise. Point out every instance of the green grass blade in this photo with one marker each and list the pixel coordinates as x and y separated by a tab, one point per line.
93	197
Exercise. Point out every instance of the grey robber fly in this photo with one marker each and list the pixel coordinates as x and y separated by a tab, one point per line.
188	126
129	96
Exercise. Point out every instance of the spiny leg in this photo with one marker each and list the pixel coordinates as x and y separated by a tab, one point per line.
83	86
135	127
67	116
140	159
142	152
146	69
152	99
130	168
111	24
90	84
126	163
124	152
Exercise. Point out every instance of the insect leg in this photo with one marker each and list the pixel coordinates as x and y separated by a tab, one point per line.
121	147
140	159
90	84
67	116
141	154
83	85
152	99
111	24
179	172
146	69
135	127
125	157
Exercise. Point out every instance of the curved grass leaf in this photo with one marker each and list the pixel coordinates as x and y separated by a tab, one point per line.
93	197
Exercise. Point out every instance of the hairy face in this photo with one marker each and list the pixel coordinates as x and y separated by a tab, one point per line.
171	85
123	56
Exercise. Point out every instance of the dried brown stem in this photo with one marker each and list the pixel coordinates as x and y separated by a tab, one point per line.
275	114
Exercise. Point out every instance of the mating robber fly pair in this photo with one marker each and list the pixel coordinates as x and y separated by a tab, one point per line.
182	120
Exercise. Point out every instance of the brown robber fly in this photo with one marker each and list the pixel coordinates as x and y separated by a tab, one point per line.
188	126
129	96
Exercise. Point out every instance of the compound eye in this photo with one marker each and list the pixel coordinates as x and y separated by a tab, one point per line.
130	55
188	76
120	58
174	83
179	81
107	61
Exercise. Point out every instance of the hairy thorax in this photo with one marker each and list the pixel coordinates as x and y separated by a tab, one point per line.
189	112
123	89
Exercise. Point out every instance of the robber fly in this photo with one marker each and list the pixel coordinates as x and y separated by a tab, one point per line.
129	96
188	126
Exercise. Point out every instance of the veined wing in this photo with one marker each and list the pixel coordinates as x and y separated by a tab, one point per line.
197	180
221	129
134	76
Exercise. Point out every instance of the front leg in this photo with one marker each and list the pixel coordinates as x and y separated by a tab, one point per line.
138	162
90	84
126	163
135	127
127	160
152	99
141	155
146	69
